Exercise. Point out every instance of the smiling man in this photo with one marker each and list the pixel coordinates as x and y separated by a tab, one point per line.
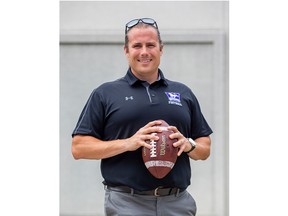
120	116
143	52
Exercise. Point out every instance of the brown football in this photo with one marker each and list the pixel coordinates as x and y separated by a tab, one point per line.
161	158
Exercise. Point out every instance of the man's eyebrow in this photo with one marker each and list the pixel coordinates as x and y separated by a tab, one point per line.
151	42
136	43
141	43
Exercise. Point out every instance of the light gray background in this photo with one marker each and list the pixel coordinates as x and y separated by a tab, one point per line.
195	36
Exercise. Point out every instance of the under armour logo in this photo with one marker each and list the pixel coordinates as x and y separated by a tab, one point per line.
129	98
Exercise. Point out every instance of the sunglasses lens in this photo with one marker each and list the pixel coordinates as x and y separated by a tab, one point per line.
132	23
148	21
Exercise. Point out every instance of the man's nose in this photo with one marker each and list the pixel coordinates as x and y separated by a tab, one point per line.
144	50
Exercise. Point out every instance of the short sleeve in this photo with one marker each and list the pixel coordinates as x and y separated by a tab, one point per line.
200	127
91	118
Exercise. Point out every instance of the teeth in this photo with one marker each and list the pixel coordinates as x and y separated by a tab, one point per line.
145	60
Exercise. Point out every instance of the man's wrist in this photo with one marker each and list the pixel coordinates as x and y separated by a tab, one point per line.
193	145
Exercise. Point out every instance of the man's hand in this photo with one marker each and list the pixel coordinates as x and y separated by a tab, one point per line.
182	143
143	134
201	152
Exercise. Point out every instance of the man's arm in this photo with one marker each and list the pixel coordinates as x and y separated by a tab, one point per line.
202	150
89	147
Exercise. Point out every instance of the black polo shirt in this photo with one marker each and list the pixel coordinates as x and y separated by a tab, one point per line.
116	110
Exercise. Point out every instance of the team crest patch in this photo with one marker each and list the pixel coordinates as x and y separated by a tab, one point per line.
174	98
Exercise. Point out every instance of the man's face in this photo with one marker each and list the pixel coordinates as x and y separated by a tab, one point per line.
144	52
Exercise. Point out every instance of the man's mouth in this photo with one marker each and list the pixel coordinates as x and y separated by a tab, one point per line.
144	60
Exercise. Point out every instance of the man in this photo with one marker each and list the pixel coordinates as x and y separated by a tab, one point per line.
121	115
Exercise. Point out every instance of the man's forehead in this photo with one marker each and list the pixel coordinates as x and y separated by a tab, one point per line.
143	34
142	27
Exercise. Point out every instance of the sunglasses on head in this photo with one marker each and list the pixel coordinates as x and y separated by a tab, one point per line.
134	22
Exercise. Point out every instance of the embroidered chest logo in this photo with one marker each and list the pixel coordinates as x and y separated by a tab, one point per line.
173	98
129	98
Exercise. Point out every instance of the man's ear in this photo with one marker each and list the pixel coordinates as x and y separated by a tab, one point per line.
126	50
161	48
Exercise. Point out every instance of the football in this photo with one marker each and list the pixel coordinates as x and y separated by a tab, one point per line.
161	158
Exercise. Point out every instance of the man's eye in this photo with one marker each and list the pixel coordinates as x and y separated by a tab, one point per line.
137	46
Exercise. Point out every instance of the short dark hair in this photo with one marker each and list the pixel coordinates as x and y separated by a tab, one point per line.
143	25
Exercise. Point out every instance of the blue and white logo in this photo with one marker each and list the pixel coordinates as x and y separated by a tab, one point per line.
174	98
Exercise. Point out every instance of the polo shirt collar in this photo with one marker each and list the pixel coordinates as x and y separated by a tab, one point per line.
131	79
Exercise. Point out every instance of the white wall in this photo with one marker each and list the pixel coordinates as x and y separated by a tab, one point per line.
168	14
195	35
